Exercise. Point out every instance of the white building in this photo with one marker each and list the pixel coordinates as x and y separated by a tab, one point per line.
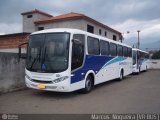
37	20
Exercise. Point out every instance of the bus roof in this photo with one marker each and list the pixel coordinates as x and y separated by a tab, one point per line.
77	31
136	49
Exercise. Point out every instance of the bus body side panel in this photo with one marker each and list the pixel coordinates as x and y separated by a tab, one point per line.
144	64
105	68
142	61
111	70
94	63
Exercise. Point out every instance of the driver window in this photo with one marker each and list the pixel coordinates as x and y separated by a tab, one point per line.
77	51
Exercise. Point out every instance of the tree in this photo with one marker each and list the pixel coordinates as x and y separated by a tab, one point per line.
156	55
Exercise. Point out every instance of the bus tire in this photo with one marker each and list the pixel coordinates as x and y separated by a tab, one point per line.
146	69
88	85
139	70
121	76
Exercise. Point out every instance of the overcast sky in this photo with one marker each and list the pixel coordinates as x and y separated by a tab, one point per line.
122	15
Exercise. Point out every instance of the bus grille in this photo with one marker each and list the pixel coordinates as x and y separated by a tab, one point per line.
44	82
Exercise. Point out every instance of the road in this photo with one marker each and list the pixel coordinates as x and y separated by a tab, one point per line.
135	94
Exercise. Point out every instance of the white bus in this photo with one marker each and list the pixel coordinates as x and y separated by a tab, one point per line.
66	60
140	60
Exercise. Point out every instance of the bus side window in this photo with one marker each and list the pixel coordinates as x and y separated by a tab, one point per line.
125	52
138	55
119	50
104	47
113	49
130	52
77	51
93	46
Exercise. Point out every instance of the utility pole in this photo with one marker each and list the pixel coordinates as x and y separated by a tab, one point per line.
138	39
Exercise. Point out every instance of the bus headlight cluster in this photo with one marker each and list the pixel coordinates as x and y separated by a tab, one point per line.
60	79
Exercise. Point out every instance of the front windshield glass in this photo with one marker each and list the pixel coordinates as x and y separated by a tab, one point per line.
48	52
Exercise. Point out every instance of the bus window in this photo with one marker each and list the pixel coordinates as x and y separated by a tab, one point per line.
125	52
104	47
113	49
138	55
77	51
141	55
129	52
93	46
134	57
146	55
119	50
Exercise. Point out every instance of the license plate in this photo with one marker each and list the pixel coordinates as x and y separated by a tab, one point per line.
41	86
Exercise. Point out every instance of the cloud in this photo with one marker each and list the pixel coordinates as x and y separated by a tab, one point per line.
10	28
147	29
107	11
123	15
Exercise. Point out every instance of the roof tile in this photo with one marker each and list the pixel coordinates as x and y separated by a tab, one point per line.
36	11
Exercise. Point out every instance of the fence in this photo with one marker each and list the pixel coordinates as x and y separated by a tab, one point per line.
155	64
12	72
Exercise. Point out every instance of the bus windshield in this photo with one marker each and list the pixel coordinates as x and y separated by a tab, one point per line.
48	52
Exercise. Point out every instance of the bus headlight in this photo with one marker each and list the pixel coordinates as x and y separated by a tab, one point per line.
28	77
60	79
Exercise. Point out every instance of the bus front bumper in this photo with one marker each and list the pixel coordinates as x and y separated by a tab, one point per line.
47	87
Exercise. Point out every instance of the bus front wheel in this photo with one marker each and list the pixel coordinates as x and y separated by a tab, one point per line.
88	85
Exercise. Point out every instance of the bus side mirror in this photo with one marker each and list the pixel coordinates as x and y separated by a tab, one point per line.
21	54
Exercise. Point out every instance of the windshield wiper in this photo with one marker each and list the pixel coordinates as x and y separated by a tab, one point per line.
38	56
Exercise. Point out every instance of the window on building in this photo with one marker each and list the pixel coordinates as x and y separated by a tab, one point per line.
100	31
29	16
119	50
113	49
104	47
40	28
77	51
105	34
93	46
90	29
114	37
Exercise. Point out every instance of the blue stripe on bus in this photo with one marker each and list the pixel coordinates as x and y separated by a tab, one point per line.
95	63
116	59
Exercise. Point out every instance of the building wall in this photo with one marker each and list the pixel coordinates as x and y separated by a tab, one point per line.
10	43
96	31
155	64
12	72
79	24
28	23
13	50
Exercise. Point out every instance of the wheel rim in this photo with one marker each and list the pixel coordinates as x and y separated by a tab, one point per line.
88	85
